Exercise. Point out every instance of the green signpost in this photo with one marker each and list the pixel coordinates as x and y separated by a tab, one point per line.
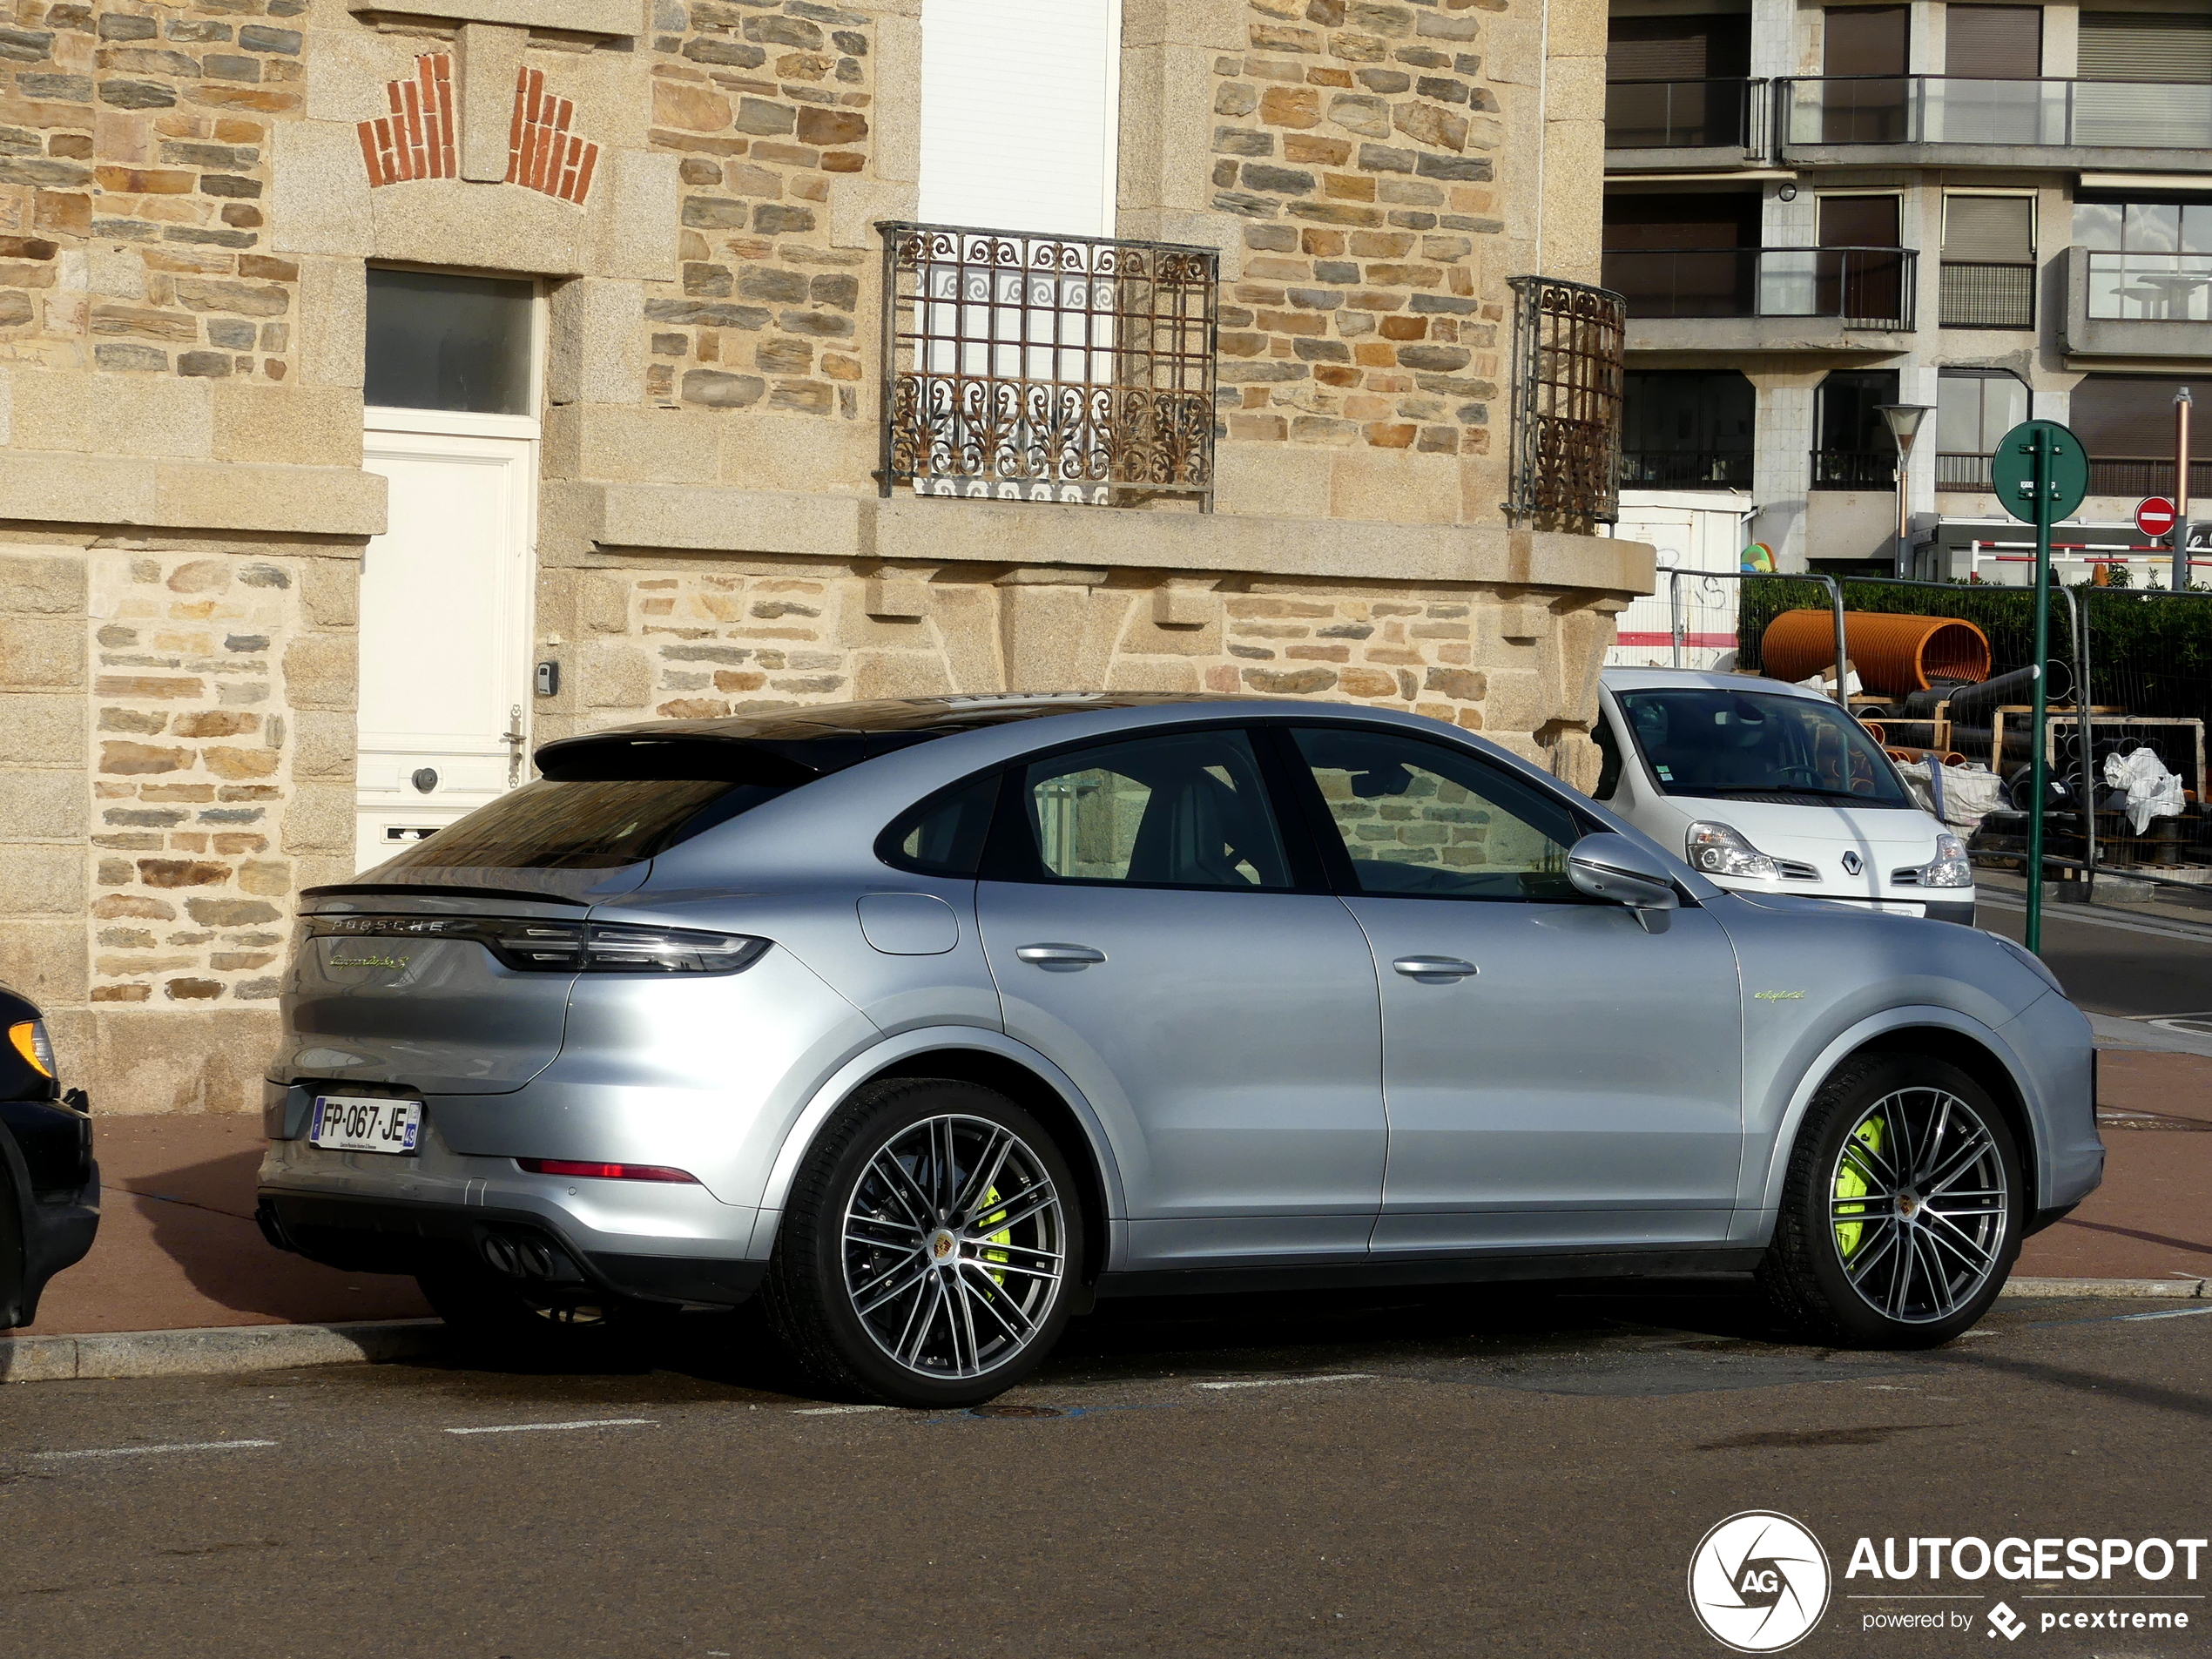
2041	474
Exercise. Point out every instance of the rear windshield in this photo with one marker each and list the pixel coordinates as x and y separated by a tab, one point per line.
575	826
1709	740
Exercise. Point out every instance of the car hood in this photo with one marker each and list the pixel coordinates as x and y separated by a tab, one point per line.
1775	828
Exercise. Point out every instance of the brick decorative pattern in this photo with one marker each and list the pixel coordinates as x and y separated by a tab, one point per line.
168	211
766	107
691	645
1355	135
416	139
541	154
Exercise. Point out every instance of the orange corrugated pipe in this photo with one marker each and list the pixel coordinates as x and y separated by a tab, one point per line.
1893	654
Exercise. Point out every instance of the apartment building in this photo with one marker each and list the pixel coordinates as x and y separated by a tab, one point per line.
1989	211
388	387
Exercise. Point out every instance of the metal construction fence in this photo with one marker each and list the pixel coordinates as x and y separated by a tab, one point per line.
2140	659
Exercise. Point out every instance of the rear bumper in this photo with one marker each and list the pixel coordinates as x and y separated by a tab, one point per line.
374	1235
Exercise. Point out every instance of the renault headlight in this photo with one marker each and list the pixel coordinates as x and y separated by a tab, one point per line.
1718	849
1951	867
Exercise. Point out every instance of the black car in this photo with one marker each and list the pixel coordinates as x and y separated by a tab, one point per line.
49	1187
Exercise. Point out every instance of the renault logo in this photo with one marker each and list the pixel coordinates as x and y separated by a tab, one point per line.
1853	864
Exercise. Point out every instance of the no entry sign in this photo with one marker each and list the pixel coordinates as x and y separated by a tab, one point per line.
2155	516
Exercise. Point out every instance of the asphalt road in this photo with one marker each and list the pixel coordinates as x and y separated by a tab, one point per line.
2111	965
1474	1473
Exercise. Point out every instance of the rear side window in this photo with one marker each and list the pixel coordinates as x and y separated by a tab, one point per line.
578	826
946	833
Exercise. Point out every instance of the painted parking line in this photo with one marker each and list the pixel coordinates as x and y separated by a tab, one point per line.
837	1410
2171	1313
591	1422
1288	1382
144	1451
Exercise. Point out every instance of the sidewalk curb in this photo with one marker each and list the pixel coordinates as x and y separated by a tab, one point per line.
2188	1289
215	1352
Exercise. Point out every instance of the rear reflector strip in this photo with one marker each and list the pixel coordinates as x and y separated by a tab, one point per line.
606	1171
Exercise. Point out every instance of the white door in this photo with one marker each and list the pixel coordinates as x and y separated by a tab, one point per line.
445	616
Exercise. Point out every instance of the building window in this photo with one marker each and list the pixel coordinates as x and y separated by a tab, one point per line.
1689	255
1988	262
2147	262
457	343
1687	429
1678	82
1974	408
1852	448
2125	422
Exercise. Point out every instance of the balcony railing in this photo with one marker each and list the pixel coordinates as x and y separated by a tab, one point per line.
1985	295
1062	368
2145	476
1962	473
1865	287
2150	287
1685	469
1854	468
1950	109
1685	115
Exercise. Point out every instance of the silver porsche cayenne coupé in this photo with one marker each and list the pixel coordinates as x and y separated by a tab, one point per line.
930	1021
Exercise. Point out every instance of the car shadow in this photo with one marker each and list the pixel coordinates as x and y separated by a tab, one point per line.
201	1216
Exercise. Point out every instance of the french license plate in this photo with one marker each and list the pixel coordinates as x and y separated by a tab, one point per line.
363	1124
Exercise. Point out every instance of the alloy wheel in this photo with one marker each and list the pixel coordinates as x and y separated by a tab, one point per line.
954	1247
1920	1205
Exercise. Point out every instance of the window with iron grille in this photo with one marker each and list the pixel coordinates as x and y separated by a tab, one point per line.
1568	383
1061	368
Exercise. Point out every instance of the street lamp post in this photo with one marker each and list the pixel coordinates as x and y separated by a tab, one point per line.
1904	422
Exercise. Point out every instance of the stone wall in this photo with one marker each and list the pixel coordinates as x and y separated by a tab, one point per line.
696	640
179	733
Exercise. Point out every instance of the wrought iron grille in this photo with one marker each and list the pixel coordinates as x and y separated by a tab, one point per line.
1854	470
1568	385
1984	294
1062	368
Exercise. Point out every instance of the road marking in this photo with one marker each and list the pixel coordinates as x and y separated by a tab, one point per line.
140	1451
595	1422
2172	1313
1285	1382
837	1410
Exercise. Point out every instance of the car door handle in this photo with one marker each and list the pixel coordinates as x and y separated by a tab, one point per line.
1060	959
1434	970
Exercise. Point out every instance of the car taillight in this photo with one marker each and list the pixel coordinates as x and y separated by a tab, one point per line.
606	1171
530	946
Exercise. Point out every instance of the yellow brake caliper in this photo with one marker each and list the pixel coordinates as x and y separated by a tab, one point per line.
1006	1238
1851	1183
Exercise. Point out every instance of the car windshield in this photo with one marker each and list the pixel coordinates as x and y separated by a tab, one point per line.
1713	740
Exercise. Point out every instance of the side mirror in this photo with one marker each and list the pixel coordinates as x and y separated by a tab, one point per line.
1615	868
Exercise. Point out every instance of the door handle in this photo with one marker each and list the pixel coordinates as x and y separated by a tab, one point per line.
1434	970
1060	959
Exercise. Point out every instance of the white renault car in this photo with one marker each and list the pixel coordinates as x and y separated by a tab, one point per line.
1770	788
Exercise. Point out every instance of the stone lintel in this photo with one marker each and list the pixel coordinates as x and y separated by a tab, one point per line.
1068	544
610	18
234	495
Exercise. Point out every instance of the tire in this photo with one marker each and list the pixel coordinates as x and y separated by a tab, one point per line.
1919	1149
492	1317
893	1284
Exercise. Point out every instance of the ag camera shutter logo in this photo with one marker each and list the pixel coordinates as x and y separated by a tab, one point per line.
1759	1582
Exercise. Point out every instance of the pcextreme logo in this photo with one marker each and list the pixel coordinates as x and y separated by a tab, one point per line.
1759	1582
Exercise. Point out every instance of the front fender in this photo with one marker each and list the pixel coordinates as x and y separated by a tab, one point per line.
834	1091
1772	1124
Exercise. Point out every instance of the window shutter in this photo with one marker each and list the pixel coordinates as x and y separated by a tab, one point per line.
1993	42
1864	40
1713	47
1992	229
1018	123
2145	46
2120	415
